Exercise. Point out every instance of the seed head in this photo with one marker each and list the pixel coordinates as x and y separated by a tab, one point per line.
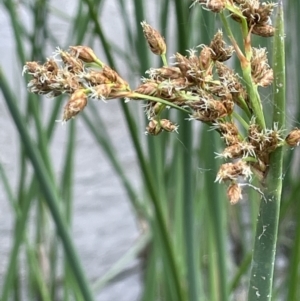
51	67
261	72
229	132
148	88
234	193
160	74
32	68
95	78
231	81
72	63
155	41
258	16
263	30
231	171
220	52
215	6
113	76
205	58
153	128
75	105
182	62
238	150
101	92
293	138
168	126
84	53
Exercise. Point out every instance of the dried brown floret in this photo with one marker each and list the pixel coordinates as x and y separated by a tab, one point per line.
219	51
155	41
205	58
231	81
160	74
293	138
215	6
257	16
263	30
148	88
33	68
210	111
84	53
261	72
154	128
113	76
72	63
51	67
102	91
95	78
238	150
75	105
234	193
168	126
232	171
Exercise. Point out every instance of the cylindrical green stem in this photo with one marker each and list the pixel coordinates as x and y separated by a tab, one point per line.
157	99
246	69
50	194
263	260
253	97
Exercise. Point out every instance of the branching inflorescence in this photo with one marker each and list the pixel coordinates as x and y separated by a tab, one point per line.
201	85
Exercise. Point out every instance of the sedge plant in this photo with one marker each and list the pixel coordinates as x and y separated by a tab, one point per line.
202	85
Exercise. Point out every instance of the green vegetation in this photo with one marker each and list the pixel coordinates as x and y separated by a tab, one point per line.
195	244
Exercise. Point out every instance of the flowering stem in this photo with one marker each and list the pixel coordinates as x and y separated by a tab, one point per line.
99	63
241	120
233	9
263	260
253	96
246	69
51	197
157	99
243	105
164	59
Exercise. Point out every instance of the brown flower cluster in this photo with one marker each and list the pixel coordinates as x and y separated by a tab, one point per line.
70	75
210	89
199	83
190	83
257	14
250	154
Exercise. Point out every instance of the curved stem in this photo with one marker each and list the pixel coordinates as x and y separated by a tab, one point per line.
164	59
157	99
241	120
246	69
50	194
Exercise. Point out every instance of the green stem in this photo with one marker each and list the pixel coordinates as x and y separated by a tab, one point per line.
253	96
187	161
159	217
152	98
217	213
243	105
50	196
241	120
164	59
18	239
263	260
246	69
235	10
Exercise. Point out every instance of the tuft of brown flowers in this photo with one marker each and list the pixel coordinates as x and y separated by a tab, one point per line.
199	83
75	105
155	41
75	79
